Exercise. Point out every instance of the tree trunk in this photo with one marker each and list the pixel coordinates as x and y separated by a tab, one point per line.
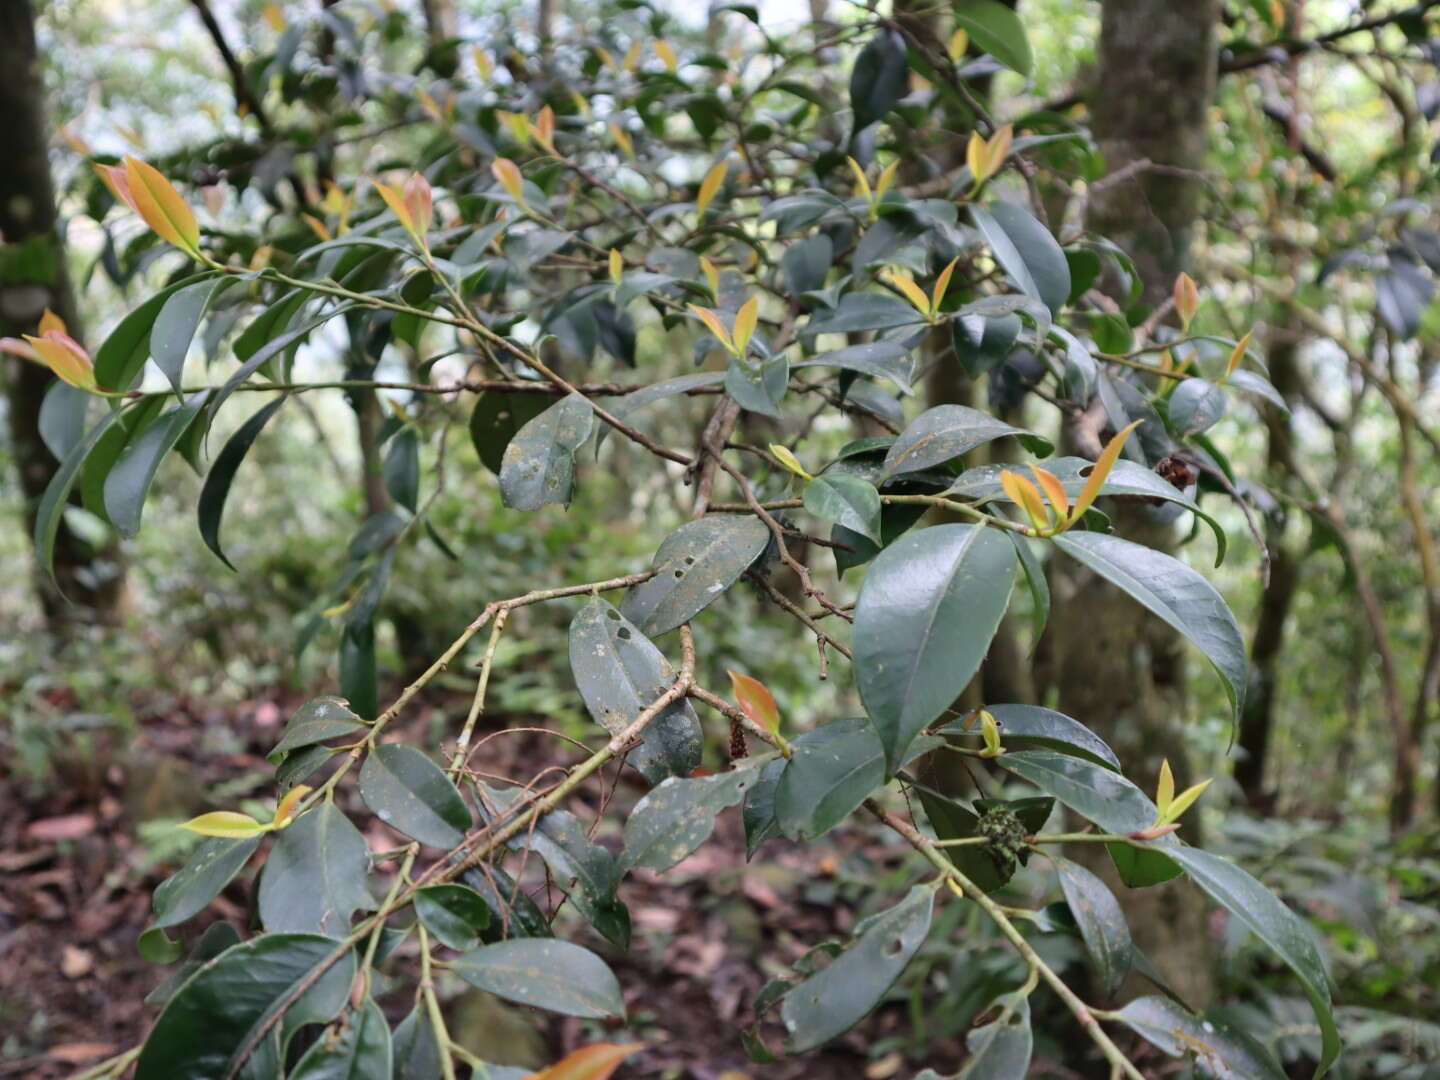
1117	668
33	276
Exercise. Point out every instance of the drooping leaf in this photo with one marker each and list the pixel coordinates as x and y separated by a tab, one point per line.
1174	592
878	359
495	420
834	1000
1101	921
316	876
1001	1049
215	940
51	510
945	432
997	29
676	817
807	263
1095	792
927	611
548	974
847	500
758	812
619	672
208	1023
863	311
318	720
1195	406
211	506
128	483
357	1049
1036	582
1276	925
538	466
175	325
62	418
415	1047
879	79
210	867
1026	250
758	387
693	566
1215	1049
1027	727
453	913
121	358
409	792
402	468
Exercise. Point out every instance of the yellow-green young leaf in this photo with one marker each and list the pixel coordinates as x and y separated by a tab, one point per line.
756	701
483	64
886	179
746	319
1237	355
632	57
709	186
959	42
1183	802
975	157
712	275
396	202
1054	491
666	52
230	824
712	321
622	140
941	284
617	265
1165	789
997	148
507	175
161	206
861	182
597	1062
790	461
1187	299
1106	461
63	355
1025	495
285	812
916	295
990	732
275	16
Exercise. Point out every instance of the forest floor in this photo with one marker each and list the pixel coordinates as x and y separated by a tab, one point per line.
77	869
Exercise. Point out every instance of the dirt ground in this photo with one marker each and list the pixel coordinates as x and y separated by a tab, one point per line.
76	879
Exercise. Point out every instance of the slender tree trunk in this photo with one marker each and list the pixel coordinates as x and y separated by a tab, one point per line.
1117	668
33	276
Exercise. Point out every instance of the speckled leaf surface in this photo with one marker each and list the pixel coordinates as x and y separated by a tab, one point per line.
1216	1050
694	565
945	432
676	818
538	466
548	974
315	878
409	792
1102	924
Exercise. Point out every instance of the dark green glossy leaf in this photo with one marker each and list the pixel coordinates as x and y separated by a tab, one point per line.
1102	924
1036	582
402	468
454	914
758	812
878	359
945	432
1026	250
216	491
210	867
927	611
845	500
318	720
1195	406
895	522
121	359
1213	1048
1029	727
300	765
206	1026
1126	478
513	913
1139	868
62	418
863	311
357	1049
677	816
1001	1049
1112	334
806	264
416	1049
548	974
1095	792
538	466
133	420
1174	592
216	939
155	947
57	493
175	325
834	1000
986	868
982	343
316	876
997	29
129	481
409	792
1251	383
1290	936
269	350
620	672
495	420
879	79
758	386
693	566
